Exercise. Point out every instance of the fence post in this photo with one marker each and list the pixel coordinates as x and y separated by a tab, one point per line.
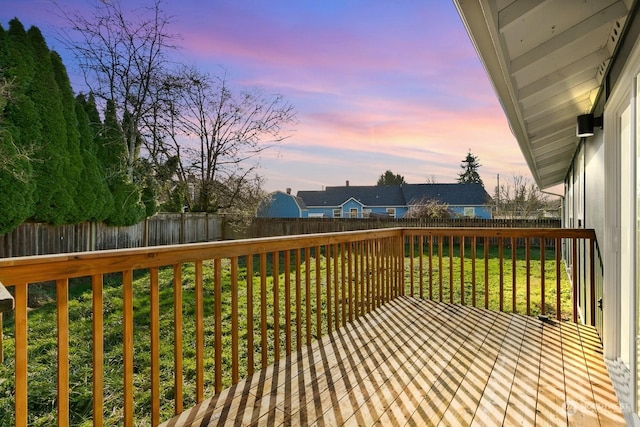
182	219
145	233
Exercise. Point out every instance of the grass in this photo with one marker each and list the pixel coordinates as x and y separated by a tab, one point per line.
442	282
43	346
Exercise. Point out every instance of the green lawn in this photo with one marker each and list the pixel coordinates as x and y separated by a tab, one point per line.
535	289
43	348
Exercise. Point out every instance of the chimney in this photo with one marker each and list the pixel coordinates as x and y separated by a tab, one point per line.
347	183
288	191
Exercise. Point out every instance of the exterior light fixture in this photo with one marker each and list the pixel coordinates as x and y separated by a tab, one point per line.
586	123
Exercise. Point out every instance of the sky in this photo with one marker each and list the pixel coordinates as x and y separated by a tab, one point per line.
376	84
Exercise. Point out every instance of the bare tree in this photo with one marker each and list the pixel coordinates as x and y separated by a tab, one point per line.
215	137
192	126
121	53
519	197
428	208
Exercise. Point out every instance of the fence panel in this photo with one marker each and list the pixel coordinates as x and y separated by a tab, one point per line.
174	228
163	229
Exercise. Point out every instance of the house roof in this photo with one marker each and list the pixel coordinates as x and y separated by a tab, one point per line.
301	204
470	194
546	60
397	195
372	195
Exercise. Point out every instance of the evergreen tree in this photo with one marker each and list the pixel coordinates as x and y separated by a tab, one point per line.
389	178
150	186
94	200
19	128
16	196
18	58
74	161
128	208
94	117
53	201
469	168
98	139
15	172
20	113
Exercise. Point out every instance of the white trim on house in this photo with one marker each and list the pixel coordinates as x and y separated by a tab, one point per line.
622	233
349	200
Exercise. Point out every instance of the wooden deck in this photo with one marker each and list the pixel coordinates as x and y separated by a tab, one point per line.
416	362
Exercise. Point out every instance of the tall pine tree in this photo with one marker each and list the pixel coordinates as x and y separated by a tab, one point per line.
74	161
54	201
469	168
59	163
93	199
128	208
19	127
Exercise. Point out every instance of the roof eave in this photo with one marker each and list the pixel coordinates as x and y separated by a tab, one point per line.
478	19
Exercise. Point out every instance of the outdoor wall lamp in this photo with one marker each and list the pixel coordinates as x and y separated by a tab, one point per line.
585	125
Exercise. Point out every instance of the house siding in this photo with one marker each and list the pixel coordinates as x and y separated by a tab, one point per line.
281	205
590	183
345	210
351	204
483	212
366	200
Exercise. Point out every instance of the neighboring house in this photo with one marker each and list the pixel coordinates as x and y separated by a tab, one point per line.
282	205
354	201
470	200
552	62
464	200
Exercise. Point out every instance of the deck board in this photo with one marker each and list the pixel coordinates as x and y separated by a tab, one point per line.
417	362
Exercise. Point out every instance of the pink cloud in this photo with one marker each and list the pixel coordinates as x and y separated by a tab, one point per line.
377	85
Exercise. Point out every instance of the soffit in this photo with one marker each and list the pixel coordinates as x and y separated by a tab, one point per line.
546	60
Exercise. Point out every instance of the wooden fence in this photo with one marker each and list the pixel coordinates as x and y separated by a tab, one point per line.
162	229
174	228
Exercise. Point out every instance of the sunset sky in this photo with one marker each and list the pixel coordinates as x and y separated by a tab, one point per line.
377	84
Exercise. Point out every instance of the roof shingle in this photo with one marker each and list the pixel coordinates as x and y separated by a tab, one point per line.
469	194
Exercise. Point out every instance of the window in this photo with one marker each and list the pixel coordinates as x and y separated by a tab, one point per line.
391	212
337	213
470	212
353	212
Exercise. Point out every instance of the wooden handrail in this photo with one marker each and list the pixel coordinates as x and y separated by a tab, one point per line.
316	284
80	264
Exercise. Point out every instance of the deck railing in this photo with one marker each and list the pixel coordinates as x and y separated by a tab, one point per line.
191	320
522	258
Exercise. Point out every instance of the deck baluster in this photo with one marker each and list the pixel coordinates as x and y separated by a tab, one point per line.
177	339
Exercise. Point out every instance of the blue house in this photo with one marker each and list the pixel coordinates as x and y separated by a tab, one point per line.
282	205
393	201
355	201
469	200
